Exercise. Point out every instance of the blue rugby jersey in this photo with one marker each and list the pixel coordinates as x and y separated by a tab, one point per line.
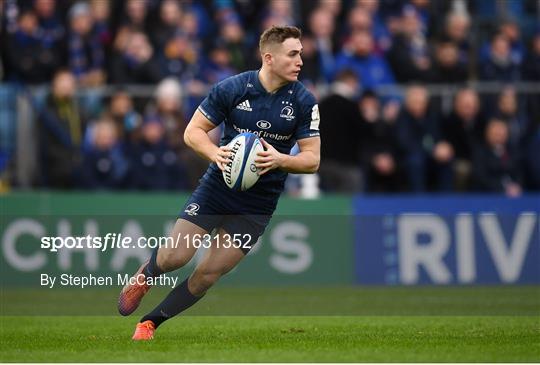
281	118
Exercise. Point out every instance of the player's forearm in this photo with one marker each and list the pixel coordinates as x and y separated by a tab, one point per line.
199	141
306	162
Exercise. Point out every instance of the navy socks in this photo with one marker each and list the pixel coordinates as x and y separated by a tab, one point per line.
178	300
152	269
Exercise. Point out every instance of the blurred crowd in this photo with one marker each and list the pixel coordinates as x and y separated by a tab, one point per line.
371	64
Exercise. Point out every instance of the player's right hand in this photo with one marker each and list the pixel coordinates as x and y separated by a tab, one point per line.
222	156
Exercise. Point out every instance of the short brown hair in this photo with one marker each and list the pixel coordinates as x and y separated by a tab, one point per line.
277	35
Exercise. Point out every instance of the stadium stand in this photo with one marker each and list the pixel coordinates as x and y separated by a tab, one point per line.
71	70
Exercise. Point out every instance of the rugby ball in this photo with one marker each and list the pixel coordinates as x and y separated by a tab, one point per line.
240	172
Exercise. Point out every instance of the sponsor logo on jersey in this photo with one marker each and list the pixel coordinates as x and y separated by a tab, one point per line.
264	124
263	134
192	209
244	106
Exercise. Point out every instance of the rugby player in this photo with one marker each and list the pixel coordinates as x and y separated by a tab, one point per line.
271	103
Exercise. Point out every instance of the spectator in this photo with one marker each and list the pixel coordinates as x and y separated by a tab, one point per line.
391	12
496	165
463	129
340	154
423	10
155	166
372	69
191	28
183	53
86	53
135	15
51	28
124	116
359	20
234	36
532	151
510	30
134	62
218	66
508	110
457	29
379	29
426	155
322	29
179	58
379	151
9	10
369	67
169	108
531	65
311	70
170	14
334	7
104	164
499	66
197	22
249	13
447	68
409	55
61	129
29	60
531	73
279	12
101	11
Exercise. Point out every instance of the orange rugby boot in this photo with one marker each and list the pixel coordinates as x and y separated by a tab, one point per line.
144	331
131	294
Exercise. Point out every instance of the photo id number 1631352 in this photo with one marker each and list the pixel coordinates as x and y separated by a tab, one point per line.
237	240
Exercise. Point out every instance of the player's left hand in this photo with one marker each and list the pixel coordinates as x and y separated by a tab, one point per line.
268	159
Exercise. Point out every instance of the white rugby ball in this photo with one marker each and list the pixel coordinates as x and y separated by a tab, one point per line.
241	173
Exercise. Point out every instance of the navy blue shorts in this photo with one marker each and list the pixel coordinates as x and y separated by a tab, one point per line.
244	218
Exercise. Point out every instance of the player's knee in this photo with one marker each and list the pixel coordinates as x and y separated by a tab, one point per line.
209	279
169	260
225	269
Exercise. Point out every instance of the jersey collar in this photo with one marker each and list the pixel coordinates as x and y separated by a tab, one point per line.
259	87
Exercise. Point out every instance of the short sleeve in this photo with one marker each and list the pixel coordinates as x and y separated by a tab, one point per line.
310	120
215	107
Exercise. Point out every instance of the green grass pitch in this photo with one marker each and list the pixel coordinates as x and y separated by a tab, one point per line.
445	324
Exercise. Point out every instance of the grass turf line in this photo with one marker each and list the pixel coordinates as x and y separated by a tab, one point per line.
410	324
274	339
294	301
